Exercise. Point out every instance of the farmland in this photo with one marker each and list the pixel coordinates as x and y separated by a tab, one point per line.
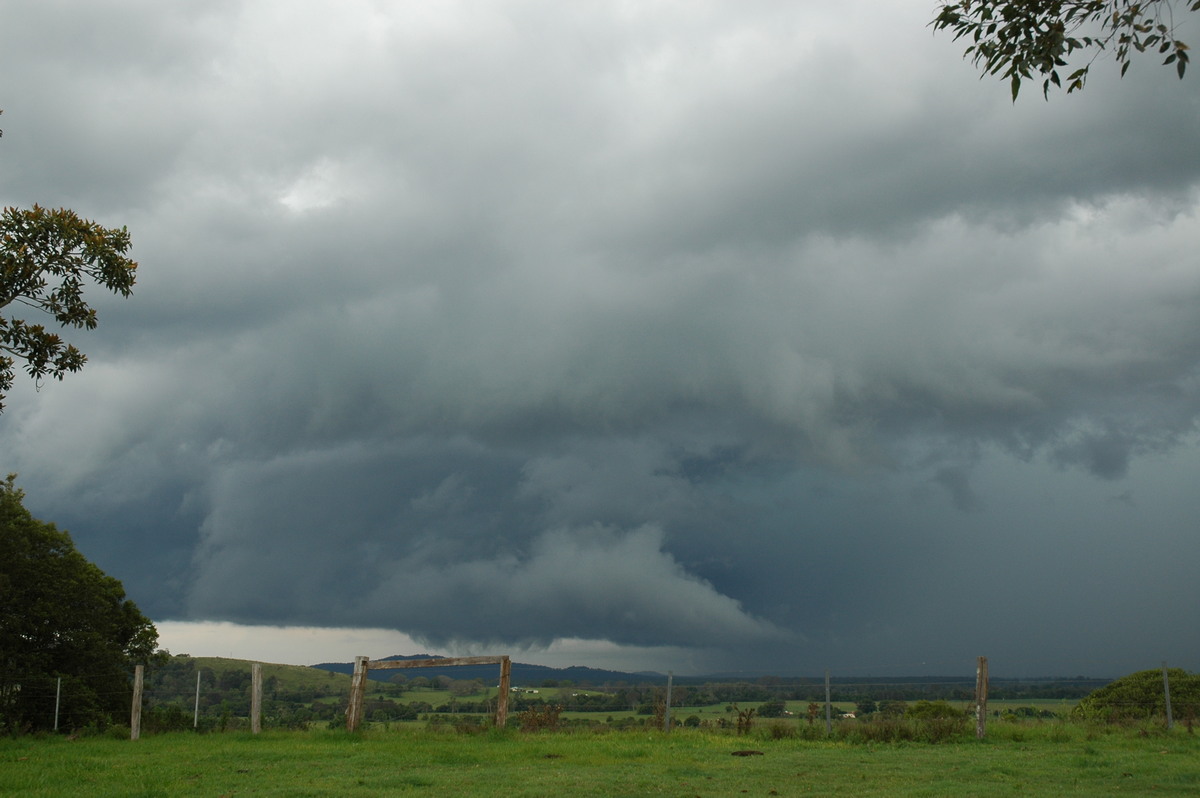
298	697
433	736
1031	758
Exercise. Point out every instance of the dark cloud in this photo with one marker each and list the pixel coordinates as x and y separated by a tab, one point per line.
751	331
956	481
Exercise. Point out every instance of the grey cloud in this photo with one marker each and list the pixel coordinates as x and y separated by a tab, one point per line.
744	302
415	560
614	585
956	481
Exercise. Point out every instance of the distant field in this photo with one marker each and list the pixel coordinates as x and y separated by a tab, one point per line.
291	690
1052	759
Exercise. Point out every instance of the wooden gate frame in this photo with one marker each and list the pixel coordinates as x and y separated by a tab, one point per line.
358	682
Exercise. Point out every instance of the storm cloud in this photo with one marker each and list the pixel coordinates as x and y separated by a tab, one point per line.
764	331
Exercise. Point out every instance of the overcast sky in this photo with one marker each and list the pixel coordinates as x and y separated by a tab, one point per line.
691	335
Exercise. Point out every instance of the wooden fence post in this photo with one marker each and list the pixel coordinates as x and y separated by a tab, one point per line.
505	688
981	691
667	703
828	706
358	686
256	698
135	714
1167	697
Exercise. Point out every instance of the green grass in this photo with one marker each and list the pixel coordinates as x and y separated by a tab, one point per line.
1037	759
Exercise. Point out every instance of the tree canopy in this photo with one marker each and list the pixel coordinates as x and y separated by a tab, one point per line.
1140	696
61	617
1017	39
46	257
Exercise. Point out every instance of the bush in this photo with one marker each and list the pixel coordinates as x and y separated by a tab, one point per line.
939	730
772	709
933	710
877	730
1139	696
118	732
166	718
931	728
540	718
781	731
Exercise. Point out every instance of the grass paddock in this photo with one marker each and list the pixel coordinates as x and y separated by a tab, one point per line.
1038	759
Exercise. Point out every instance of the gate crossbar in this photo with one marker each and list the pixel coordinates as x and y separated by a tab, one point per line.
358	683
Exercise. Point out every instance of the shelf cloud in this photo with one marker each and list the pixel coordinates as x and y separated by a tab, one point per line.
763	332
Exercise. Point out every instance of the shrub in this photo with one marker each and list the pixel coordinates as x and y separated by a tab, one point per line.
165	718
745	719
118	732
877	730
772	709
1139	696
781	731
939	730
540	718
928	728
811	732
933	710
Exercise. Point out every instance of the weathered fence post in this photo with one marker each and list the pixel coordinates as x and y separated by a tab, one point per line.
828	706
667	703
196	713
256	698
358	686
1167	696
135	714
505	689
981	691
57	701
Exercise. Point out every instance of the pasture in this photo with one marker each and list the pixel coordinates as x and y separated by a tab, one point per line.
1051	758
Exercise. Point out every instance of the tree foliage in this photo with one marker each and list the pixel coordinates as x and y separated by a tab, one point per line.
1140	696
933	710
1017	39
61	617
46	258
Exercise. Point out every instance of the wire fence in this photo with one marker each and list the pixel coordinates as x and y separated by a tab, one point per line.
183	695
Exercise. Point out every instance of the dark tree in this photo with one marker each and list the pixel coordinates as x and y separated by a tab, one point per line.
61	617
775	708
865	707
1141	695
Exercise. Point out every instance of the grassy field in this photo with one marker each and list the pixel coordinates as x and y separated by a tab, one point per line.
289	676
1035	759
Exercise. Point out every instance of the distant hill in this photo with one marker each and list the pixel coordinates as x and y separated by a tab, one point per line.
522	673
290	677
331	678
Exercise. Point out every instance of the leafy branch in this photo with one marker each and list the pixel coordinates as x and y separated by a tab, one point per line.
1017	39
46	257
